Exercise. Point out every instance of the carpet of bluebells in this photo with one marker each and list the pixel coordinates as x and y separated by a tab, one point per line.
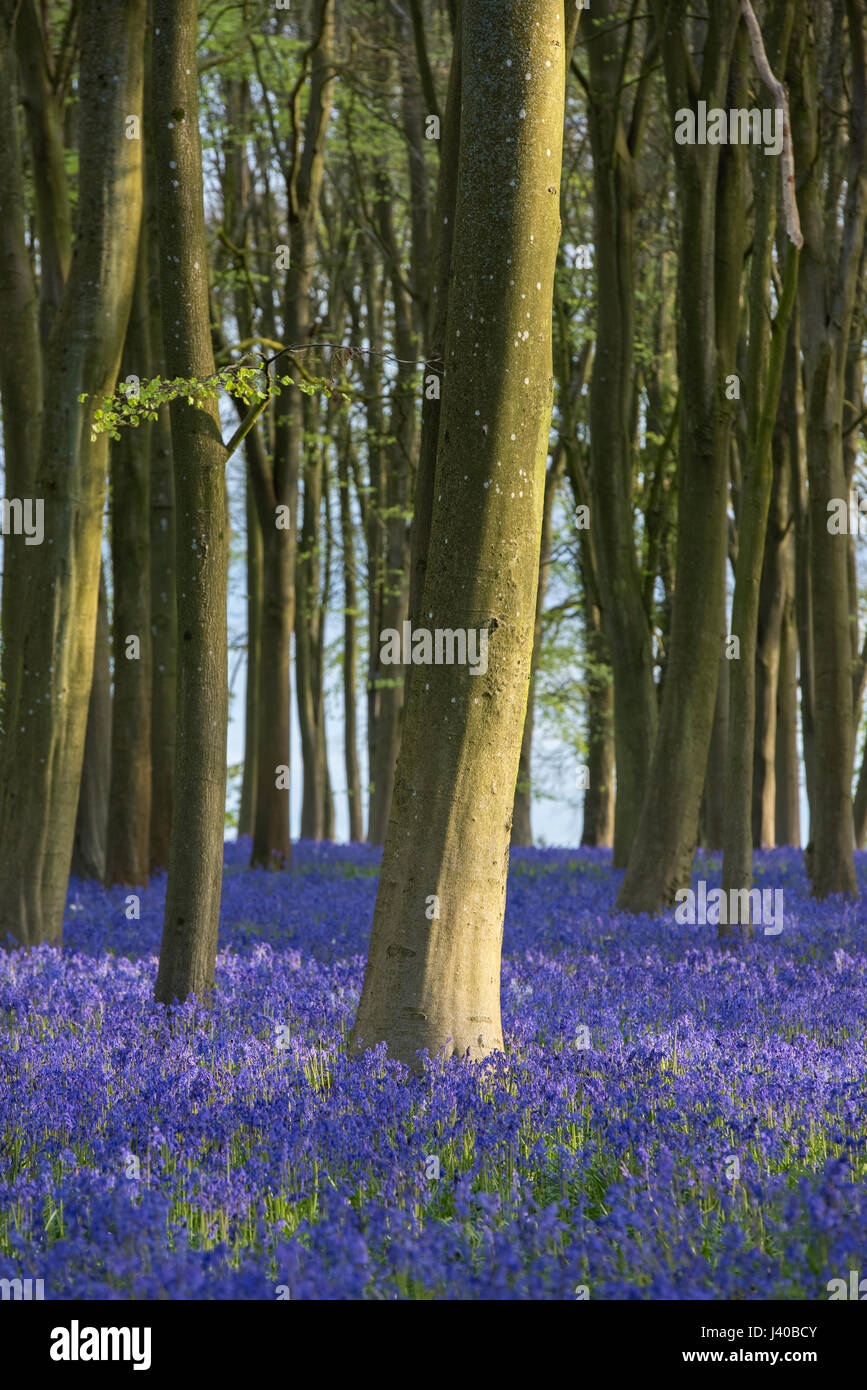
710	1142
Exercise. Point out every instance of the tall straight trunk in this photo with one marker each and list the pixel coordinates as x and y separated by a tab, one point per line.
598	823
163	597
324	598
254	662
859	804
611	433
787	805
432	978
278	486
20	364
397	558
189	943
350	640
50	637
129	802
829	276
307	635
522	833
792	415
91	825
444	221
775	599
713	800
710	192
379	677
767	348
44	111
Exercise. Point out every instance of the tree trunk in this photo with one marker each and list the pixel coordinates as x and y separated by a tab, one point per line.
787	808
254	660
189	944
279	487
20	367
713	801
774	601
129	802
828	293
598	825
611	434
350	641
522	833
307	636
750	735
163	598
88	852
51	635
432	979
710	192
44	113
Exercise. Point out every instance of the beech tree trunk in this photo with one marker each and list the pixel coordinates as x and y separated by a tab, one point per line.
626	621
277	486
433	973
91	825
522	833
189	943
129	802
163	597
709	180
598	822
829	275
49	635
350	641
713	799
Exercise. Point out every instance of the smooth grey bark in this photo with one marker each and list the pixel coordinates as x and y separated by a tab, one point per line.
50	639
350	639
616	142
129	802
828	289
714	793
709	182
91	824
189	943
522	832
767	345
432	978
163	596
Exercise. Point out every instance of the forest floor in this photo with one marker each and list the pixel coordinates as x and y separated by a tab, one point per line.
710	1142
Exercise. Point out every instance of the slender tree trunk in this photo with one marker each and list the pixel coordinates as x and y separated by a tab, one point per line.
522	833
611	434
787	808
828	294
254	660
88	851
792	411
714	794
20	367
163	597
432	979
710	192
48	168
189	944
598	825
350	641
774	601
52	634
307	638
129	802
765	369
278	488
422	510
